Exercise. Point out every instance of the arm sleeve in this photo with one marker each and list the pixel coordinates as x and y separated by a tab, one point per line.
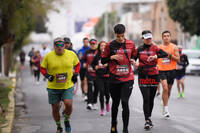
95	61
106	55
77	68
161	53
43	70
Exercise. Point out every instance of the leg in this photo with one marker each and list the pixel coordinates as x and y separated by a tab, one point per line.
165	92
115	95
126	90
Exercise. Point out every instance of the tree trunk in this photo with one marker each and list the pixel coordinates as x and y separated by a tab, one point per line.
8	56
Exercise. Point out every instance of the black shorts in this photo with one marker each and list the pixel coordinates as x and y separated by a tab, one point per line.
82	73
121	90
168	75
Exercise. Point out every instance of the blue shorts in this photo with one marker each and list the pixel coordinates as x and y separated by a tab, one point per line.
180	77
57	95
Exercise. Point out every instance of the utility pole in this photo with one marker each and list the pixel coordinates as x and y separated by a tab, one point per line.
163	16
106	26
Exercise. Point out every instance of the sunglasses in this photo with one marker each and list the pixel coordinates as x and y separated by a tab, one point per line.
59	44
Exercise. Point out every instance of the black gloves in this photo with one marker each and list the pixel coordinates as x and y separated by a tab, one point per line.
74	78
49	77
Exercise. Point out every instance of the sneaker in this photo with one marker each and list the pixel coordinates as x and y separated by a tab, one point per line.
179	95
166	114
85	98
113	129
147	125
67	126
158	94
108	107
59	130
102	113
89	106
183	95
95	106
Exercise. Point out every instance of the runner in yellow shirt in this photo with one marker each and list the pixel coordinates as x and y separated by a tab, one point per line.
58	67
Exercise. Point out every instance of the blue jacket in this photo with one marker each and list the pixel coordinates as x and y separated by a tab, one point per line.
81	53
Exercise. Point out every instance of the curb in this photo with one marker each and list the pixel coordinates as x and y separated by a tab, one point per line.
11	109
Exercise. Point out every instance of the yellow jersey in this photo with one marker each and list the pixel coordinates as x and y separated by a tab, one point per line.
61	67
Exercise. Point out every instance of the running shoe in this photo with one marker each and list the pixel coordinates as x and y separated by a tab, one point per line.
113	129
108	107
158	94
102	113
147	125
179	95
59	130
89	106
183	95
166	114
95	106
67	126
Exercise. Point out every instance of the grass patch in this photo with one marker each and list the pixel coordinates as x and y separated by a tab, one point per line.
5	88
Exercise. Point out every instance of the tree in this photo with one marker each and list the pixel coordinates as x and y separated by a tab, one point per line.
112	20
17	19
186	12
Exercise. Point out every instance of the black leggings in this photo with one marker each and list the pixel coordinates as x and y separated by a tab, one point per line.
37	74
92	91
148	87
121	92
103	87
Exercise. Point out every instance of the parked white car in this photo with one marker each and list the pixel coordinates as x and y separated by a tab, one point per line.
194	61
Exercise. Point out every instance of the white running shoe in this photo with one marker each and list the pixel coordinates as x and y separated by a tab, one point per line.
95	106
166	114
89	106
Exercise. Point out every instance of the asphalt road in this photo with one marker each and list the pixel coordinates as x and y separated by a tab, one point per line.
35	115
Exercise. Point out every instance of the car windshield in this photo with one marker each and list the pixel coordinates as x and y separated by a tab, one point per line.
192	54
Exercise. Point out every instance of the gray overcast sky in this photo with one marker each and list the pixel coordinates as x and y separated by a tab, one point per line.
60	23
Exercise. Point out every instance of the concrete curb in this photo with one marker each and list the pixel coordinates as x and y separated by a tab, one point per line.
7	128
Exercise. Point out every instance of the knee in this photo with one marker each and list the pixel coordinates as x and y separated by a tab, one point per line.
68	105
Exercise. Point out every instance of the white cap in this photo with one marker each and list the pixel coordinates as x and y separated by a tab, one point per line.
147	36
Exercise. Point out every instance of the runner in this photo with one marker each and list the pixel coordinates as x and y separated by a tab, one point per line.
91	75
68	44
43	53
167	68
31	54
118	54
83	78
22	56
180	73
148	74
102	78
58	66
36	66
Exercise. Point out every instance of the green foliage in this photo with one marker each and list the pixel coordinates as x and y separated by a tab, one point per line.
112	20
186	12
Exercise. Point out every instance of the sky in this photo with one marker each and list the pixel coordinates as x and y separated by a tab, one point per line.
60	23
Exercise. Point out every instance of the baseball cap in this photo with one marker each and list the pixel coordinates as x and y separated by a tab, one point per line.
58	39
93	41
67	40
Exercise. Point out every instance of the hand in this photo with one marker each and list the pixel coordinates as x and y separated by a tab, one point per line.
151	58
105	65
84	65
74	78
134	63
117	57
49	77
96	67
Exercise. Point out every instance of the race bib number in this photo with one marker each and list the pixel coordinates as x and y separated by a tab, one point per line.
61	77
122	69
179	67
166	61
